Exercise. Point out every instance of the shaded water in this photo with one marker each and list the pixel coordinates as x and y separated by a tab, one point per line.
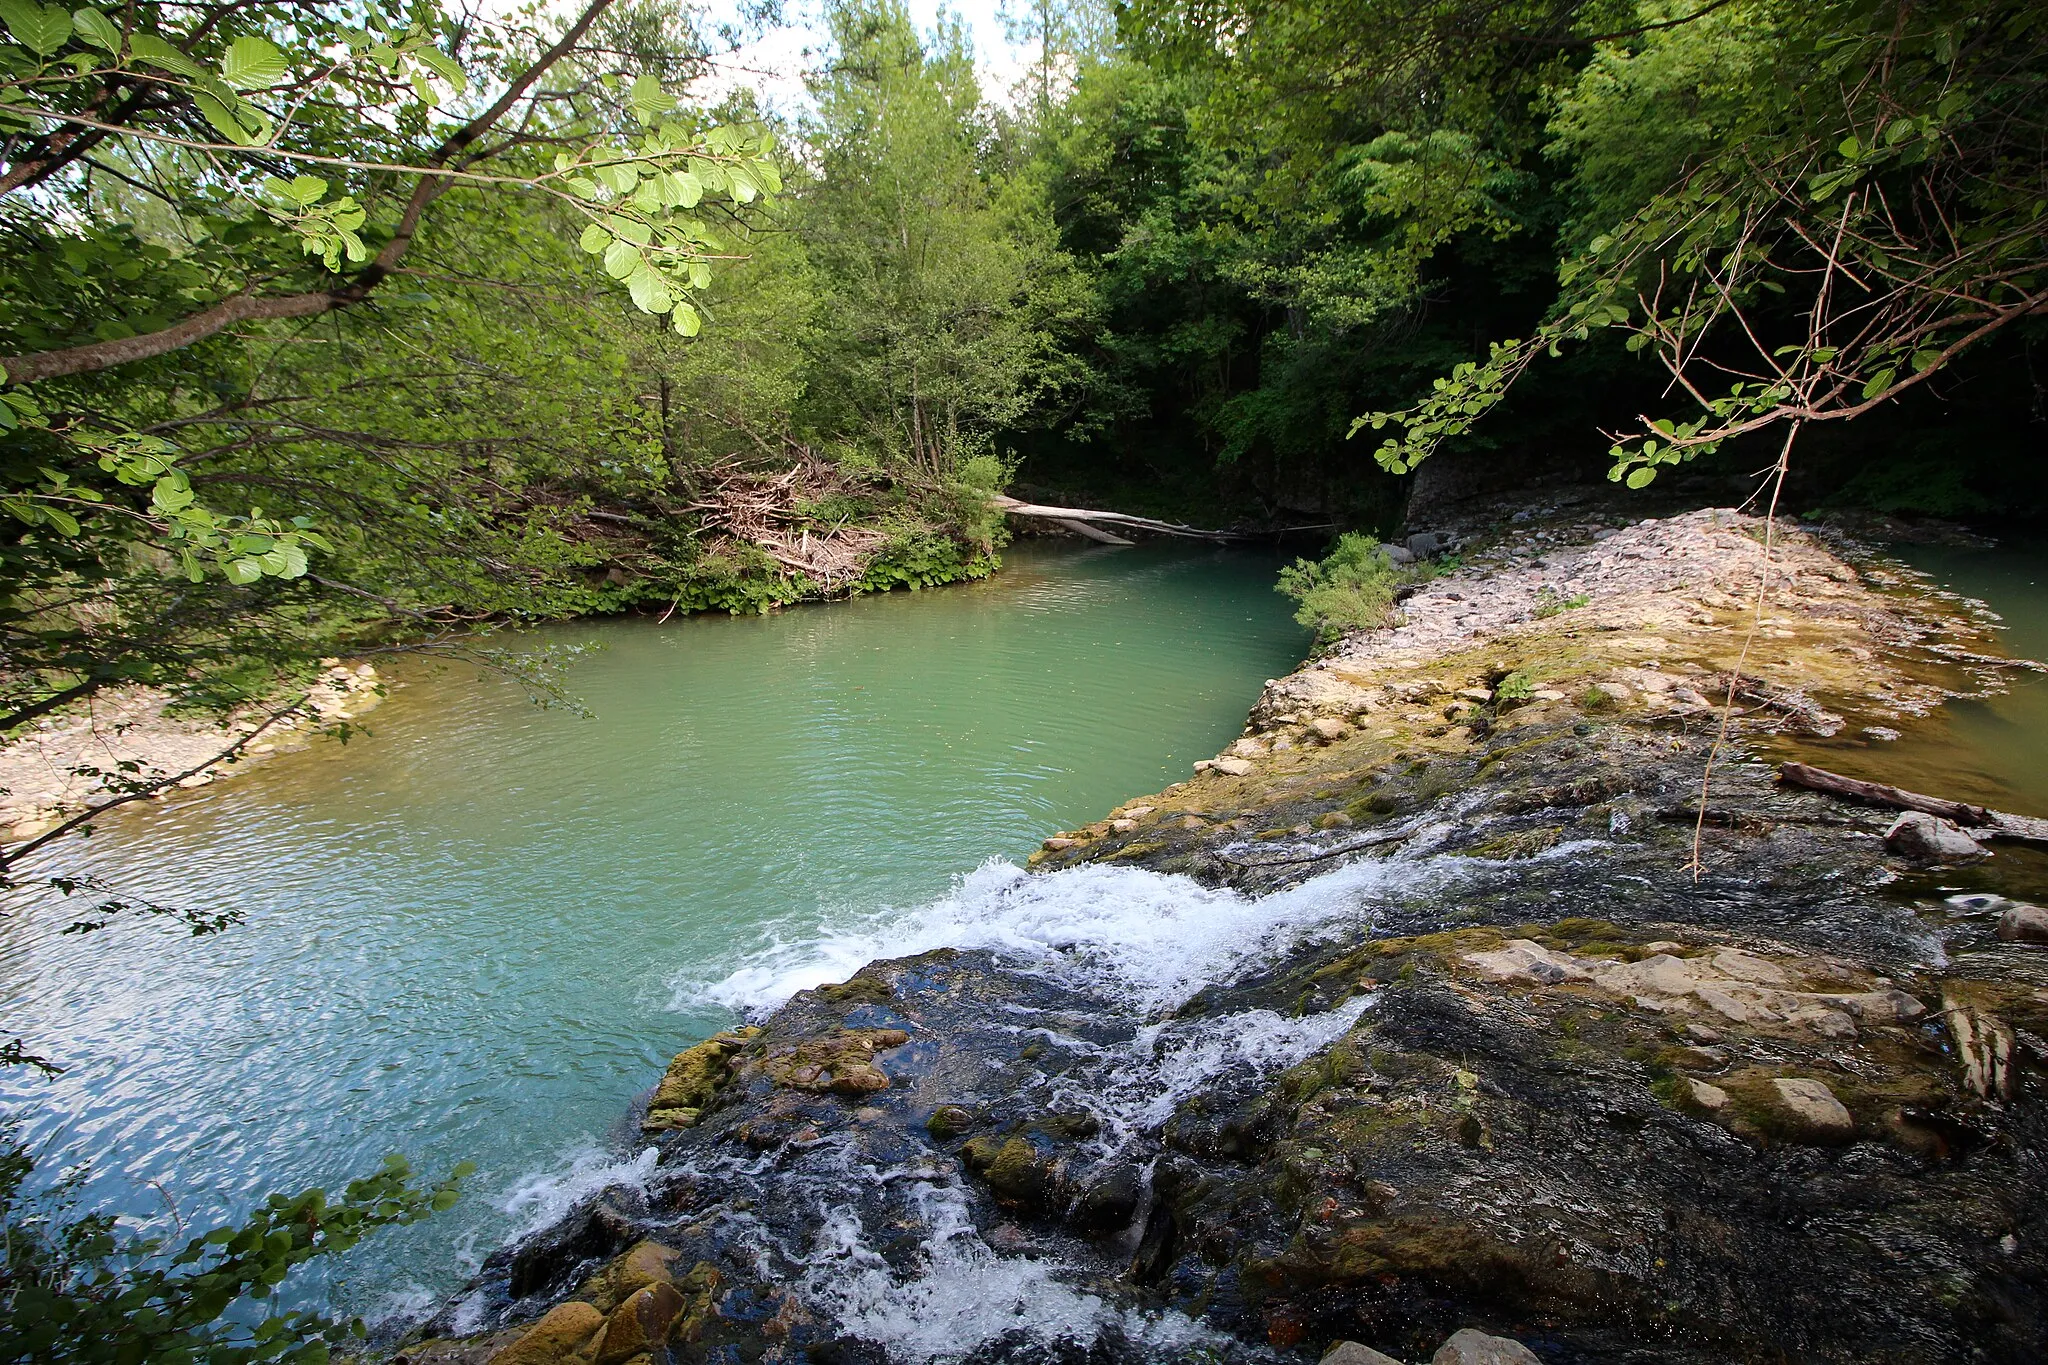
476	933
1994	749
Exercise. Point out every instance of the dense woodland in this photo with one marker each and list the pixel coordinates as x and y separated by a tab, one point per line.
327	326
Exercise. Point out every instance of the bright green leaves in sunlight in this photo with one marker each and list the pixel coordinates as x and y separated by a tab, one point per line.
638	195
241	549
329	230
252	64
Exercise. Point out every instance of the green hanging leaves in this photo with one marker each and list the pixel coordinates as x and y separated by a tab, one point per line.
95	28
648	100
42	29
252	64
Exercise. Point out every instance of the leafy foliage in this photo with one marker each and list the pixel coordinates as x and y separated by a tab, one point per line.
81	1289
1350	589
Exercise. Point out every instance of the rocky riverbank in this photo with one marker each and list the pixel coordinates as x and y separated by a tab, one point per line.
65	763
1437	1008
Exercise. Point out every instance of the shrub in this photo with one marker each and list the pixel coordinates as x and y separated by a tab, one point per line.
1351	588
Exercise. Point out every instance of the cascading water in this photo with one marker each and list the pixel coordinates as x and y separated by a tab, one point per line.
1091	972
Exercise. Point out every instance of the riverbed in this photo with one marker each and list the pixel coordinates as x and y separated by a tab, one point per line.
475	932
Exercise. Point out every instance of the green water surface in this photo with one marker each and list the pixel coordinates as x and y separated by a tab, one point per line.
477	933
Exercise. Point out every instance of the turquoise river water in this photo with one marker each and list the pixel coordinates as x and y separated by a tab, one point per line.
477	932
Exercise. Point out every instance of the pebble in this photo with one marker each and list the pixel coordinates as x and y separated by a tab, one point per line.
1709	1096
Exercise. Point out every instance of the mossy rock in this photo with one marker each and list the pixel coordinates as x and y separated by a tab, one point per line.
949	1121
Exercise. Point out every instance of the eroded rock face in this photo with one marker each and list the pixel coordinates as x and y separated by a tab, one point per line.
1518	1073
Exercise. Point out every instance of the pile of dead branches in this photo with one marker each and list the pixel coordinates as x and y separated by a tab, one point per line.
767	509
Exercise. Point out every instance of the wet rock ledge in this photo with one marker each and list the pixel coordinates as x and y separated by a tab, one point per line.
1481	1049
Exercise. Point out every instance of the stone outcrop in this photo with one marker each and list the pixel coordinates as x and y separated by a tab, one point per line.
1592	1072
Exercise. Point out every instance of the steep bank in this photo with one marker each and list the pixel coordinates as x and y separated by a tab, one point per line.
1407	1014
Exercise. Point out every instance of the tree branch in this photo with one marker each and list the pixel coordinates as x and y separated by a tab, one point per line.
100	355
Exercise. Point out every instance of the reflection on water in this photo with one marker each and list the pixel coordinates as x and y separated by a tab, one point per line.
463	930
1991	750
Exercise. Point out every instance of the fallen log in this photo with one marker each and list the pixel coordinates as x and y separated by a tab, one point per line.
1980	822
1074	518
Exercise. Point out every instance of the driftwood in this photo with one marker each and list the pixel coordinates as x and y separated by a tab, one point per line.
1080	521
1981	822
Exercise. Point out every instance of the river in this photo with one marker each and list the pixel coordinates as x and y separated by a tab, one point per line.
476	932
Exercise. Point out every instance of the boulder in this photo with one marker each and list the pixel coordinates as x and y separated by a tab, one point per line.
1470	1346
1423	544
1815	1114
1710	1097
1235	767
1397	555
2023	924
1329	728
640	1265
1352	1353
640	1325
1928	839
558	1336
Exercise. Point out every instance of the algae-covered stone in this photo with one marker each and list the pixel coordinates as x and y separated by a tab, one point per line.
640	1324
640	1265
557	1337
840	1063
949	1121
693	1077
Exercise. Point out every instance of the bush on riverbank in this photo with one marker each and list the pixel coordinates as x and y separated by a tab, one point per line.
1351	588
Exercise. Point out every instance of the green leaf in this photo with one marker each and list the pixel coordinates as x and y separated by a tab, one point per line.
1850	147
1878	383
252	63
621	259
632	230
149	48
1924	361
243	572
648	100
689	190
95	28
233	121
40	29
444	66
686	320
594	238
171	493
1641	476
650	292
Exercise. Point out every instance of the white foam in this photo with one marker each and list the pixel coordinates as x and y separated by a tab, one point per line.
1147	939
539	1201
962	1295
